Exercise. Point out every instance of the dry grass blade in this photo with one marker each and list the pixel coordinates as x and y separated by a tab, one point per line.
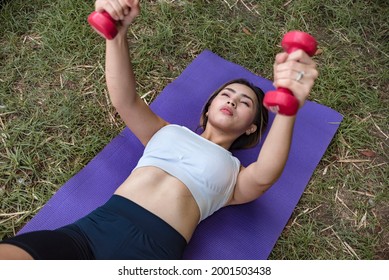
346	245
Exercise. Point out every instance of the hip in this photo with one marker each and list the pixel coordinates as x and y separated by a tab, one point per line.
121	229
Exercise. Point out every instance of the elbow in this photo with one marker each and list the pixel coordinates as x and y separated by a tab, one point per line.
274	180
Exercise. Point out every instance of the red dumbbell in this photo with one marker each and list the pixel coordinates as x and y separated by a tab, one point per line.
282	100
103	24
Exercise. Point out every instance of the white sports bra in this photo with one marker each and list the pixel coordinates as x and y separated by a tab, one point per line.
208	170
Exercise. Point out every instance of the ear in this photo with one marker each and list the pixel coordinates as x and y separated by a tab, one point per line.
251	129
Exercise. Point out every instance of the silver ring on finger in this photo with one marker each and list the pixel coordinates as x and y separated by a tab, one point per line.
300	75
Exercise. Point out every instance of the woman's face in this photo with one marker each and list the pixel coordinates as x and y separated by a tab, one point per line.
234	109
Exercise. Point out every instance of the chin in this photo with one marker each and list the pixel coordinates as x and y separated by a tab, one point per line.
227	127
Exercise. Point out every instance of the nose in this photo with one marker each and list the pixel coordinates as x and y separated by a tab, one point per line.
232	103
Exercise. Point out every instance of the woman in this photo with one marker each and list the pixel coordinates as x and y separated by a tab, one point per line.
155	211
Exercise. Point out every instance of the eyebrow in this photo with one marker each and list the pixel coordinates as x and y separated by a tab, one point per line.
242	94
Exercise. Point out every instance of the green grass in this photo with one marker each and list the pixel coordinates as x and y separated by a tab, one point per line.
55	114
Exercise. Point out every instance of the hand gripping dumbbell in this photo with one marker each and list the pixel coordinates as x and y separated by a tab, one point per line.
282	100
104	24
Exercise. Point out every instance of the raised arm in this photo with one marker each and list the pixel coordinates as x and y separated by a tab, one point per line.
254	180
120	78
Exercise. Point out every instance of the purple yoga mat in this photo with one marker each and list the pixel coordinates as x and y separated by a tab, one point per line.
247	231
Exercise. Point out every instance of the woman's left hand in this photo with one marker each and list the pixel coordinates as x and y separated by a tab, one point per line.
297	72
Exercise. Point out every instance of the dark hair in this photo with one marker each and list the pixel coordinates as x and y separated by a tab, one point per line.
261	118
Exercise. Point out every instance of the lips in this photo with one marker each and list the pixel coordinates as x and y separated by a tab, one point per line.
226	110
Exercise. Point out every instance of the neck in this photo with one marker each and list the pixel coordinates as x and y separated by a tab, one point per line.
219	137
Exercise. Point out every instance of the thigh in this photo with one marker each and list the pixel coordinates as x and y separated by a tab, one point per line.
12	252
122	229
50	245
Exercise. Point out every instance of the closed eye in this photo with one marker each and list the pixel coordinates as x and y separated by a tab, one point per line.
246	103
247	100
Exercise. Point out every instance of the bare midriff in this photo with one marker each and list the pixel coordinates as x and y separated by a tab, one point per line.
163	195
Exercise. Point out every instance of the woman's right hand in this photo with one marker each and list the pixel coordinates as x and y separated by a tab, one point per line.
287	67
122	11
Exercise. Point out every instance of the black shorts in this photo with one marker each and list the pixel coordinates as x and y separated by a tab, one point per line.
120	229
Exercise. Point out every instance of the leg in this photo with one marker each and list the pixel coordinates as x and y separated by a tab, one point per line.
12	252
58	244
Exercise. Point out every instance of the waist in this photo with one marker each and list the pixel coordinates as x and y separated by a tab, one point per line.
163	195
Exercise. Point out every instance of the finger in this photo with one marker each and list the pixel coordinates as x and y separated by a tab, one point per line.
104	5
286	74
300	90
134	10
125	7
293	78
301	56
301	77
132	3
99	5
301	74
288	66
296	66
281	58
118	9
